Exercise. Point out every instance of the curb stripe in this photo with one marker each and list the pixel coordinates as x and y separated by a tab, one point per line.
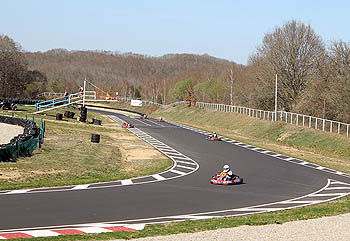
158	177
126	182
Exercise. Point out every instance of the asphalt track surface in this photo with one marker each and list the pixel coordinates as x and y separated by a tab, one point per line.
266	180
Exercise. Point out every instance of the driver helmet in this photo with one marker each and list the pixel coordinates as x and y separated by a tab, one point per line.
226	167
214	132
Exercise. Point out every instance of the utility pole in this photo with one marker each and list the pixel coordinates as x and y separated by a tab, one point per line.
84	93
276	100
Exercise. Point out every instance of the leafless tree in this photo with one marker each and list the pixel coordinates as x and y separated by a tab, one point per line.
291	51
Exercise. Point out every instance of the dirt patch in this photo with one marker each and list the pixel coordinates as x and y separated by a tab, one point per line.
7	132
284	136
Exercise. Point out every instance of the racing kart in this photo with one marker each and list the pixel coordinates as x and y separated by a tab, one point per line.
212	138
221	178
160	120
127	125
143	116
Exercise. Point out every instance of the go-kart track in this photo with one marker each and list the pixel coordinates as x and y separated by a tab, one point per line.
271	182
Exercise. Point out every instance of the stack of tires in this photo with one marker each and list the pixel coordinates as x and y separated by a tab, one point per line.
69	114
83	114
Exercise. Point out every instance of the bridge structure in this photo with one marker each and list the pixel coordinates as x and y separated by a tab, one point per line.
80	97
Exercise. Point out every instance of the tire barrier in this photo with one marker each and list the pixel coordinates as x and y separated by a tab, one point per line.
96	122
23	144
59	116
83	114
20	101
95	138
69	114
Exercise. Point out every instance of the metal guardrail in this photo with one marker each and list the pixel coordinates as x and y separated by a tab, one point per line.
283	116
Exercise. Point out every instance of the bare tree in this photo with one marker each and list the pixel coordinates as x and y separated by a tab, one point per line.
291	51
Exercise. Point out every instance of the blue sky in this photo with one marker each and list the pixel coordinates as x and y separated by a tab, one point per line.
229	29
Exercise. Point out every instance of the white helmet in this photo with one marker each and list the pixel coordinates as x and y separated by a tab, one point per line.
226	167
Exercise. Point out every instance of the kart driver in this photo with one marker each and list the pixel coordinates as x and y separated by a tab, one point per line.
214	135
229	173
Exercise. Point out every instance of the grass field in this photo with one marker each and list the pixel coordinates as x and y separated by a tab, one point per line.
68	157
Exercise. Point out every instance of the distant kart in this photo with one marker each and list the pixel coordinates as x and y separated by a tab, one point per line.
144	116
127	125
212	138
160	120
221	178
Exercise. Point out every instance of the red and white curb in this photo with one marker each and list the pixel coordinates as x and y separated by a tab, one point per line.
70	231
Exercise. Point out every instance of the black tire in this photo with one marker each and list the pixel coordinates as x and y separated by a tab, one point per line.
59	116
95	138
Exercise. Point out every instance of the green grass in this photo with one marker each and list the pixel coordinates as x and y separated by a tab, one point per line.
69	157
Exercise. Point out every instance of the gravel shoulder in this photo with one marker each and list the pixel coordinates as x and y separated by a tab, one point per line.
7	132
326	228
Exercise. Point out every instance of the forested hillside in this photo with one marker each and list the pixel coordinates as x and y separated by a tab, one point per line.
313	75
130	74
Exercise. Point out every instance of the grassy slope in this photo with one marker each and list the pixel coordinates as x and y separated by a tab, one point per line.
68	157
330	150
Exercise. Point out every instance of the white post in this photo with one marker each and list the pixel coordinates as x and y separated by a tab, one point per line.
338	127
347	130
84	93
331	128
276	100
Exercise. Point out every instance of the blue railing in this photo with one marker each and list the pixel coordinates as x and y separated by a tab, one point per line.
52	103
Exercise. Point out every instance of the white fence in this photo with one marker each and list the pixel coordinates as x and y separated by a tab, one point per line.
283	116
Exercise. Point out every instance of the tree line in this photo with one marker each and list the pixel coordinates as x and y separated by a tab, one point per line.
313	77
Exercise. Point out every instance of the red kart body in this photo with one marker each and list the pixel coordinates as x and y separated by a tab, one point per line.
160	120
212	138
125	125
222	179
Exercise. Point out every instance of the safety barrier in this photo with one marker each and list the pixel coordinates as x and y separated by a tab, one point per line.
23	144
283	116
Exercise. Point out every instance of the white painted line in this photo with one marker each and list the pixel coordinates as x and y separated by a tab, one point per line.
172	153
158	177
256	209
94	230
126	182
298	202
193	217
337	188
303	163
265	152
339	173
289	158
178	172
2	237
190	163
256	149
18	191
41	233
337	182
183	158
327	194
84	186
190	168
320	168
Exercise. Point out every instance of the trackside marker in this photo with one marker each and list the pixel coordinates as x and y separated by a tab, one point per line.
178	172
94	230
41	233
158	177
18	191
81	187
190	168
126	182
189	163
